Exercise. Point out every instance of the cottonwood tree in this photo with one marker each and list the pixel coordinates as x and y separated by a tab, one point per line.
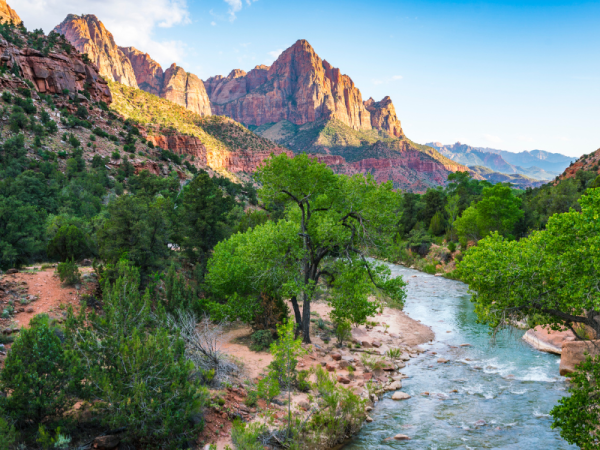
330	223
551	277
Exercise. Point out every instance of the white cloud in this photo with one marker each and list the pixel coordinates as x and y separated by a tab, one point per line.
492	138
397	77
132	22
235	6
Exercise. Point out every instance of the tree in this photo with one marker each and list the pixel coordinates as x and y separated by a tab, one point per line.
335	220
577	414
452	209
139	228
69	242
202	216
135	368
499	210
550	277
39	375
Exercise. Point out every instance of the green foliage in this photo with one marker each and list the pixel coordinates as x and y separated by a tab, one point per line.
245	436
40	376
202	216
576	415
136	369
550	276
436	226
68	272
69	242
343	331
8	435
261	340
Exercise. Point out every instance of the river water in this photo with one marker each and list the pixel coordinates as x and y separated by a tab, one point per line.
507	384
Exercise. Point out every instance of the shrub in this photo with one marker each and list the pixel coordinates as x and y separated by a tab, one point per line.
82	112
74	141
343	331
69	242
18	121
115	155
8	435
69	273
430	268
39	375
7	97
302	381
51	127
452	247
245	436
261	340
251	399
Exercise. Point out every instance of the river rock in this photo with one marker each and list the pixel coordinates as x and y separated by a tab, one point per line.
394	386
336	356
576	352
369	419
442	361
401	437
545	340
400	396
330	367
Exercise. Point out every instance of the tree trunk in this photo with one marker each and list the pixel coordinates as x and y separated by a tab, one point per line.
306	320
297	315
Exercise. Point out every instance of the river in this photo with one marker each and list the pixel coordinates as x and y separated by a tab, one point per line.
505	383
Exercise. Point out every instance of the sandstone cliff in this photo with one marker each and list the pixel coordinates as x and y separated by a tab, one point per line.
185	89
7	14
299	87
52	73
148	73
88	35
383	116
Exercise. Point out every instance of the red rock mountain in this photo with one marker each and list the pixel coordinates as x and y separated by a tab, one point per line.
88	35
148	73
299	87
53	73
7	14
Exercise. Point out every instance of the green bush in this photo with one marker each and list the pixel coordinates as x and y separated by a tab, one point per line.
82	112
18	121
452	247
69	273
261	340
39	375
251	399
430	268
8	435
245	436
69	242
343	331
7	97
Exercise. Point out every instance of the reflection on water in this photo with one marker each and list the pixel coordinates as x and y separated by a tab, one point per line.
503	390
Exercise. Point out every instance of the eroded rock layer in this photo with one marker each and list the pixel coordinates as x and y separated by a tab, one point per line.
88	35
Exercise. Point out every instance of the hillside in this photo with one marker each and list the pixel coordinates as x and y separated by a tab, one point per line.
587	163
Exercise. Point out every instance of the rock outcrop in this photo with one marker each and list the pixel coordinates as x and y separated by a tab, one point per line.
383	116
7	14
547	340
576	352
52	73
148	73
185	89
88	35
299	87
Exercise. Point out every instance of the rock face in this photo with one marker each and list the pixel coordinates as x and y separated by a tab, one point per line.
148	73
299	87
185	89
548	340
383	116
575	352
7	14
53	73
88	35
241	160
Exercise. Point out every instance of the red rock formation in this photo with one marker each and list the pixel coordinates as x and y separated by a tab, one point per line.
148	73
299	87
88	35
233	161
383	116
7	14
547	340
185	89
53	73
576	352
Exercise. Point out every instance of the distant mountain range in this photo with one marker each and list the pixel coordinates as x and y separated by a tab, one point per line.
535	164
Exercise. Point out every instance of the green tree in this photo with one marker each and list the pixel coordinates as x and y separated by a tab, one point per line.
550	277
577	414
499	210
334	219
202	216
39	375
69	242
136	369
139	228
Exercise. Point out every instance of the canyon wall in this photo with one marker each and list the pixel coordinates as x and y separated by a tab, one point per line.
7	14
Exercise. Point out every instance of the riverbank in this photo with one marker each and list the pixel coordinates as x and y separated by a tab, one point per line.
362	364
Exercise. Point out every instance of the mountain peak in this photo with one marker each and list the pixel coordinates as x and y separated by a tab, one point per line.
7	14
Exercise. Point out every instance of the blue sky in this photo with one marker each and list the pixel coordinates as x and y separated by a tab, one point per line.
505	74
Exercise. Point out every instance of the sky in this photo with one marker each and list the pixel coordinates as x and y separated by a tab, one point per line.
513	75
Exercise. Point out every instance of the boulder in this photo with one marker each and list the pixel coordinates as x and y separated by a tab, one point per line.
575	352
329	367
401	437
376	344
343	380
106	442
11	271
336	356
344	364
400	396
546	340
394	386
